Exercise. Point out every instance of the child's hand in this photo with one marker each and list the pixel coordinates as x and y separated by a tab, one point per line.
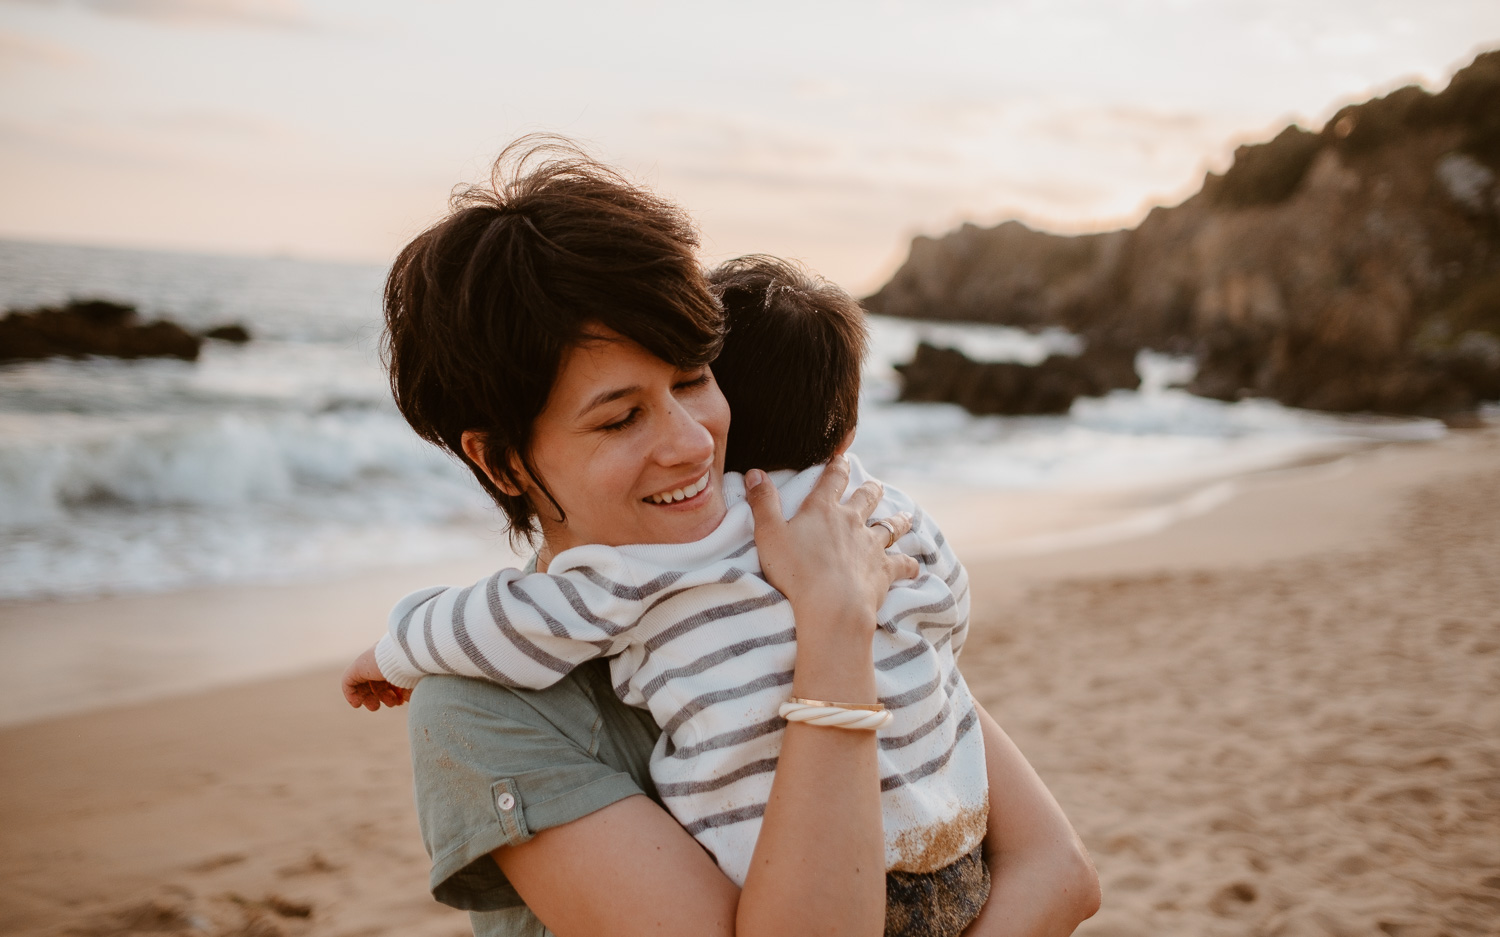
365	685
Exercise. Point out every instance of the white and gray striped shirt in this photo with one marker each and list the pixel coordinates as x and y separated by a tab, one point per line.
698	637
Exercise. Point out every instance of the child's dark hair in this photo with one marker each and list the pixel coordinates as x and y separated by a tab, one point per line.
790	365
481	307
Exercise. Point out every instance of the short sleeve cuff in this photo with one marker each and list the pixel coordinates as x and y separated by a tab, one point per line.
493	767
458	873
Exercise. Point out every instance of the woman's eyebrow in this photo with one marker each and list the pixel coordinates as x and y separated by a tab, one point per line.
606	396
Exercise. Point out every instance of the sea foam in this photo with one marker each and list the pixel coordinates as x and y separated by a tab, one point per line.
285	458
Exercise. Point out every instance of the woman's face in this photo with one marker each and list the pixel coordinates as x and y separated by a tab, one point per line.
631	447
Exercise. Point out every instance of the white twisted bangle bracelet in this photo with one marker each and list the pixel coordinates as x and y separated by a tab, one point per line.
818	713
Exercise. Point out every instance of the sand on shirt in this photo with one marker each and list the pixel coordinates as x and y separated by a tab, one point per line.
1277	716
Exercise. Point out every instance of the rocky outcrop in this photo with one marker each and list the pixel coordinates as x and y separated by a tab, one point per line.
92	327
233	333
1355	268
943	375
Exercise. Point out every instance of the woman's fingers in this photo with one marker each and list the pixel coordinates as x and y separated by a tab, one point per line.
833	481
865	498
899	526
827	555
902	566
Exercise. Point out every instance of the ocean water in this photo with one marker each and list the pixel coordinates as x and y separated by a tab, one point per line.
284	458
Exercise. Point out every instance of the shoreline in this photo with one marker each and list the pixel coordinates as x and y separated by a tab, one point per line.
1287	697
81	655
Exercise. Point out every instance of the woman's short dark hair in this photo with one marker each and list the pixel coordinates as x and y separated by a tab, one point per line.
481	307
791	363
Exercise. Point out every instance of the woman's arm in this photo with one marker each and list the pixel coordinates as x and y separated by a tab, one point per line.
819	863
626	870
1042	881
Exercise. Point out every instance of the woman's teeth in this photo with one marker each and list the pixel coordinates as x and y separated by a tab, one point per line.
679	494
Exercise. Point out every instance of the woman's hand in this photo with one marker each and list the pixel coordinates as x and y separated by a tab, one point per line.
826	558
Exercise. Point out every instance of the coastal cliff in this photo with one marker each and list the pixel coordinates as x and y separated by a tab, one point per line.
1356	268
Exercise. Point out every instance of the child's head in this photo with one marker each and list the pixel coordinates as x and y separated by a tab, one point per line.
790	363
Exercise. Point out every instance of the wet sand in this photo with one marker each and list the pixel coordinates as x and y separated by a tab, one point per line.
1277	716
1293	746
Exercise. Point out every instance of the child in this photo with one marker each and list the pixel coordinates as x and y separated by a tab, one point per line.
696	636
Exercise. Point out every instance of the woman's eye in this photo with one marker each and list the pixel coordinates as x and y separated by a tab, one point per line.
622	422
691	383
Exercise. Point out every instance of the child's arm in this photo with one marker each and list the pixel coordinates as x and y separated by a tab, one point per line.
512	628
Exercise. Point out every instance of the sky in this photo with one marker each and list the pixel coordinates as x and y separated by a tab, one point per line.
823	130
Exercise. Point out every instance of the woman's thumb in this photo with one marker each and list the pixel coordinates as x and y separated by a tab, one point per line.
765	500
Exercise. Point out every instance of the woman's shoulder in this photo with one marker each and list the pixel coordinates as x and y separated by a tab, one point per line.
493	766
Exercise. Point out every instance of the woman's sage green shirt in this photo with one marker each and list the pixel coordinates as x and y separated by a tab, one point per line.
495	766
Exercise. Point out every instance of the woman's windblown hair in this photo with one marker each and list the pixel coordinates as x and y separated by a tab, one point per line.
481	307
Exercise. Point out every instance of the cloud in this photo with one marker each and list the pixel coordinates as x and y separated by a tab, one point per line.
16	49
159	141
214	124
271	14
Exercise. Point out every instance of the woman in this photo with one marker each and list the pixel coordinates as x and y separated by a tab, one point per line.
555	334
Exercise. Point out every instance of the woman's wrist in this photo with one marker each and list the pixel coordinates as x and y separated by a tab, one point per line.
831	617
835	656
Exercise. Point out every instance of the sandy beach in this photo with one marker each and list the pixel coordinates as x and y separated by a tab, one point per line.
1274	716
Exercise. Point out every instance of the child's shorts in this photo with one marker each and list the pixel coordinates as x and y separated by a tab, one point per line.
936	904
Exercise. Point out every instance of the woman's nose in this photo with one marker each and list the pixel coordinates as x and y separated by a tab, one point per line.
686	441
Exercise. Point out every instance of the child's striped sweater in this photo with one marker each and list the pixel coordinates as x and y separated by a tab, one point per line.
697	636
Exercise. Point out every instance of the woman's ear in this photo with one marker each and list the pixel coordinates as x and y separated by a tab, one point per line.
473	442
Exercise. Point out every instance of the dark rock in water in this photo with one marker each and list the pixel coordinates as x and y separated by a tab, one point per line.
1353	268
234	332
1320	376
92	327
943	375
101	312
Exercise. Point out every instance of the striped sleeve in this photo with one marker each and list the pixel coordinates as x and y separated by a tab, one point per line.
512	628
951	571
931	549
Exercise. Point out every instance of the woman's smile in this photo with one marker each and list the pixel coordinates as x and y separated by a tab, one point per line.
683	496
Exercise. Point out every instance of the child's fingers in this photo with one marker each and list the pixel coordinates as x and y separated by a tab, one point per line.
387	693
354	694
370	694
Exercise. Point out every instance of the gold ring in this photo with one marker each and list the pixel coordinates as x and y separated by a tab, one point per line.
891	528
